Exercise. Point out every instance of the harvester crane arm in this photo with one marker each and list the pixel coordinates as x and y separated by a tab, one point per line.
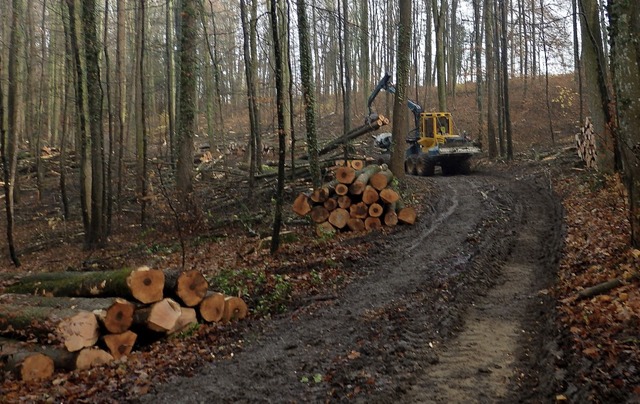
385	84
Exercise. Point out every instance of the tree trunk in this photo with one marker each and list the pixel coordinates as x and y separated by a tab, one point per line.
143	284
277	221
187	102
597	79
308	94
625	29
400	113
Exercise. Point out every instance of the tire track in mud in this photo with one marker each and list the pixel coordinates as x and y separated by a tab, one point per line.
478	366
391	334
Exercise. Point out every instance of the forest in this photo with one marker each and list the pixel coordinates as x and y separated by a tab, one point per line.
177	134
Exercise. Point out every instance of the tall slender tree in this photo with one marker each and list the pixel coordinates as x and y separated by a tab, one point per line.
308	93
400	121
277	218
9	147
188	101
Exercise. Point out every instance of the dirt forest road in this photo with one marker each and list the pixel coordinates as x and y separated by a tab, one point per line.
449	310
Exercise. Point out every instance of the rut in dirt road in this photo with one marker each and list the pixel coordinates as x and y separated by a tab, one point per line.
434	315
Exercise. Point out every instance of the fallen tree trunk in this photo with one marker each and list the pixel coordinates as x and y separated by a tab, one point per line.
381	179
353	134
142	284
187	318
159	317
114	314
28	366
85	359
362	179
189	287
49	324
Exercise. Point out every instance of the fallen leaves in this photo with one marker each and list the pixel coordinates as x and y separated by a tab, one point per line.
603	327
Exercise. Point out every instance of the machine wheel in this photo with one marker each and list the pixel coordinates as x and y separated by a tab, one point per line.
426	166
410	166
448	168
464	167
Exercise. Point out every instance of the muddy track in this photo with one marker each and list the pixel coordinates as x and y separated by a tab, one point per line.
445	311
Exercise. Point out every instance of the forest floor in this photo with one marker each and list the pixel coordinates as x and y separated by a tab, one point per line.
474	303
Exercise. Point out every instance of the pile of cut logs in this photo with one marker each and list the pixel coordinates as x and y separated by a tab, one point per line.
76	320
586	144
359	198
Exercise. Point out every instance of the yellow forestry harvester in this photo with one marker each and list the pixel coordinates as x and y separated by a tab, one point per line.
433	142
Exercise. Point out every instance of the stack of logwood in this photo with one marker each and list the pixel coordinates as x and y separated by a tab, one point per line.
586	144
76	320
358	199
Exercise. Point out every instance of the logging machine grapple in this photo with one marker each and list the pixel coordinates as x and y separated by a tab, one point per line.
433	142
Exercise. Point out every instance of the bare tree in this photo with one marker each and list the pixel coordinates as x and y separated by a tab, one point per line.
308	92
187	105
277	218
400	121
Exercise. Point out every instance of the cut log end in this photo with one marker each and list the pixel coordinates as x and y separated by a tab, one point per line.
234	309
118	317
31	366
120	345
146	284
192	287
212	307
407	215
92	357
188	317
79	331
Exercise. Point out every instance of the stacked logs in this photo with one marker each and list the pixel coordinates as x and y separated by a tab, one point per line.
586	144
83	319
359	198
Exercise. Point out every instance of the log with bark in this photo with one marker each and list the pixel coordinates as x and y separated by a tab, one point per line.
114	314
371	126
159	317
28	365
361	181
189	287
381	179
142	284
43	323
82	360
